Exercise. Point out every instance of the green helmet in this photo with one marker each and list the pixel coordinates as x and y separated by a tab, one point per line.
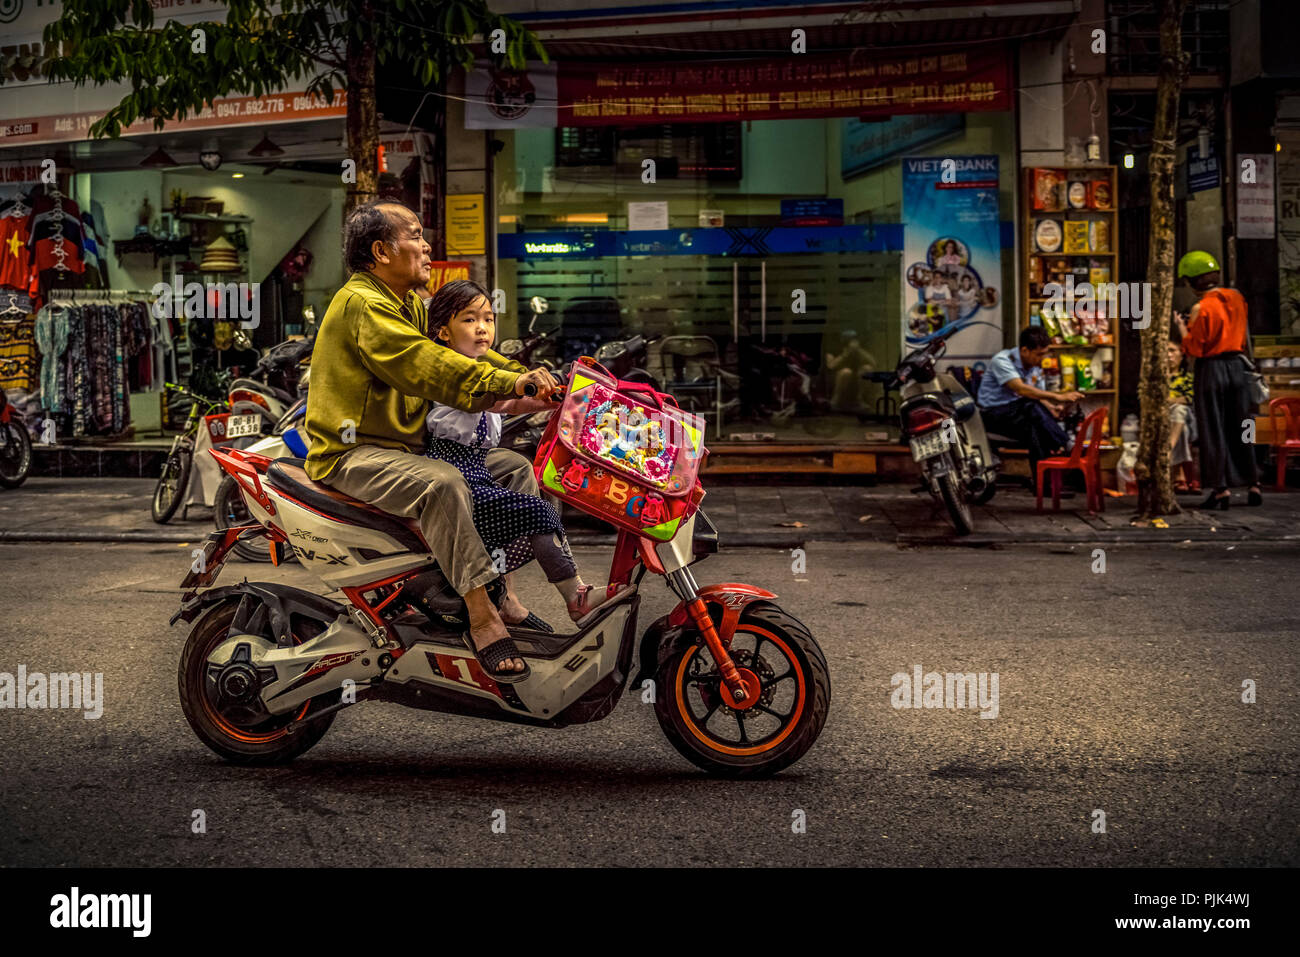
1197	263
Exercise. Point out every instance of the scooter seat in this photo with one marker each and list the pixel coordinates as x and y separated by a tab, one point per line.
287	475
252	385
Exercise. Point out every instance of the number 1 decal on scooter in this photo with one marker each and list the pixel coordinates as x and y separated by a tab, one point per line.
449	663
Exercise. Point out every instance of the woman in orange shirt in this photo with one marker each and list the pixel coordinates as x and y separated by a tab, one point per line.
1216	336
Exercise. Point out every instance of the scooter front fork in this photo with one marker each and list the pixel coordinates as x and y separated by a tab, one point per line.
683	584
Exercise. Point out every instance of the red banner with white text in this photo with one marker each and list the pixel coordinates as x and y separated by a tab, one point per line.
858	83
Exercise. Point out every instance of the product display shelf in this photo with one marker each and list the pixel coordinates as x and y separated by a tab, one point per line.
1092	258
176	272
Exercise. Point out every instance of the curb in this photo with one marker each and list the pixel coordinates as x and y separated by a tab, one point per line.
1169	536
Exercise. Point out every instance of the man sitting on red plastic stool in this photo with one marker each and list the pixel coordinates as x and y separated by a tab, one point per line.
1013	403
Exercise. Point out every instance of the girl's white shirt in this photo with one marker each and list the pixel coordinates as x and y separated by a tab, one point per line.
445	422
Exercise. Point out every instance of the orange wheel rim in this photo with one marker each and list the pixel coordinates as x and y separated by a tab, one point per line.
691	721
230	730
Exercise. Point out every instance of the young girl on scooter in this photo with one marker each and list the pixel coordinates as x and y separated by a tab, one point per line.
461	318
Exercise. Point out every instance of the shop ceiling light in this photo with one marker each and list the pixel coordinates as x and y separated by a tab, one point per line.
236	175
157	159
265	148
585	218
1128	160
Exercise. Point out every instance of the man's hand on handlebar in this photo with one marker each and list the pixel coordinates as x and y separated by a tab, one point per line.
534	394
541	381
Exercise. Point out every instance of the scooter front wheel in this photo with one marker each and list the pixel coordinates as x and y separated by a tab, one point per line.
773	733
15	454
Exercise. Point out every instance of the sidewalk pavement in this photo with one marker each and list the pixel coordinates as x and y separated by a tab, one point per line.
117	510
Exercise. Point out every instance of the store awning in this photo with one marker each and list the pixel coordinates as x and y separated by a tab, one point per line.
669	29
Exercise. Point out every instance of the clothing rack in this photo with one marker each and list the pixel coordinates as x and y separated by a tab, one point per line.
165	361
99	295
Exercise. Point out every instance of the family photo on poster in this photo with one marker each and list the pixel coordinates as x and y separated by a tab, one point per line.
952	257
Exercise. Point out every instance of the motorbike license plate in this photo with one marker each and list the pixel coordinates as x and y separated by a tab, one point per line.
928	445
240	425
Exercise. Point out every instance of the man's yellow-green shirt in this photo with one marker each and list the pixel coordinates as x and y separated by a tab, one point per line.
374	371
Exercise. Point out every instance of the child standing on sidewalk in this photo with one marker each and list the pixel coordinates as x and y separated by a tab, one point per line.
1182	421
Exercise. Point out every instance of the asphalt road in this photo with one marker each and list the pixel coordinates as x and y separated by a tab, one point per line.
1118	692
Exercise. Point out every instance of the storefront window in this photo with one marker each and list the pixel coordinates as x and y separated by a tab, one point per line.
762	260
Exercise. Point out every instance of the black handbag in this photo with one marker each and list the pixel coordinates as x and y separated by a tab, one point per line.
1256	387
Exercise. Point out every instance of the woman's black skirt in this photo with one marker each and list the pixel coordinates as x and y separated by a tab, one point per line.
1224	419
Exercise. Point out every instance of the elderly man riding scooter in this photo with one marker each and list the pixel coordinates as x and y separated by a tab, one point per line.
374	373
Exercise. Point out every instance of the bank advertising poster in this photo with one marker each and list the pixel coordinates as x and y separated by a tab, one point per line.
952	254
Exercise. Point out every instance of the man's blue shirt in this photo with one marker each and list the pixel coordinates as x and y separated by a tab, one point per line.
1002	368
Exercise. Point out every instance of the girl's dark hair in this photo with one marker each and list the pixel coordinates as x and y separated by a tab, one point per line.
450	299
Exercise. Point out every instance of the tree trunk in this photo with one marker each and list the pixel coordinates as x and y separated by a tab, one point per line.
1155	490
363	114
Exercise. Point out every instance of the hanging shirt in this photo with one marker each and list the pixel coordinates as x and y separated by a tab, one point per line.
89	242
55	240
15	261
1220	324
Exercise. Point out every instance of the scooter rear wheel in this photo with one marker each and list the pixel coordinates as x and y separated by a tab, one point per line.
237	739
954	498
772	734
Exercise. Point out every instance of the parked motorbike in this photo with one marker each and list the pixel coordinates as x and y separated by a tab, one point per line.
943	426
189	477
740	687
780	387
275	383
537	348
288	439
626	359
15	445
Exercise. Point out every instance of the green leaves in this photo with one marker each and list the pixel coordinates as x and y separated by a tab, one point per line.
263	46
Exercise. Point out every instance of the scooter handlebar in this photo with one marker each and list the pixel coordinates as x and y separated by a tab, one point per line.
556	394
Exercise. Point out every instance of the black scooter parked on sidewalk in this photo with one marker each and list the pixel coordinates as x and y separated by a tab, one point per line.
942	424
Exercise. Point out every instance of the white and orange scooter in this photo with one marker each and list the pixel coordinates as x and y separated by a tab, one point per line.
740	687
